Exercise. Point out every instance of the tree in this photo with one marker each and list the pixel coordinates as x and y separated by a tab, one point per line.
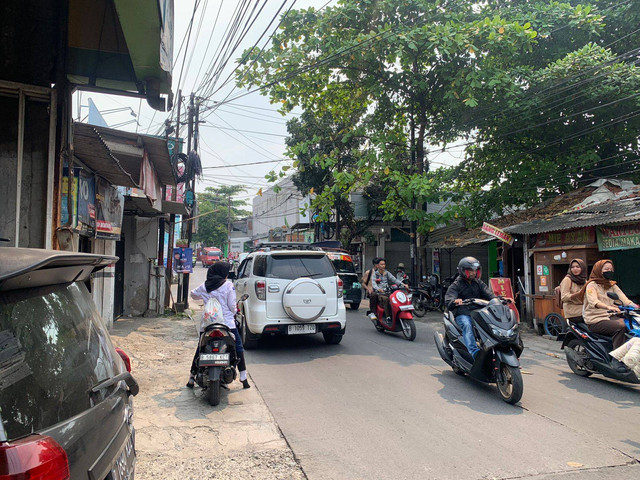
217	208
408	74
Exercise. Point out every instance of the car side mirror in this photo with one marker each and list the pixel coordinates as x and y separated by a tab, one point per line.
613	296
231	276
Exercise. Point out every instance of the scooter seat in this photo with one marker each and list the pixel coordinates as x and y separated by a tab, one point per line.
598	336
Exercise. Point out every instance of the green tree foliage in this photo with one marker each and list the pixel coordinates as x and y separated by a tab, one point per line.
213	205
438	70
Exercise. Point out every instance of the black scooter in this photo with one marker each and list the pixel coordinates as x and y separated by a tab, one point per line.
496	330
217	361
588	353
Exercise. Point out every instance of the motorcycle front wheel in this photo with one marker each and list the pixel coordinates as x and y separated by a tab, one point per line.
509	382
408	329
213	392
418	302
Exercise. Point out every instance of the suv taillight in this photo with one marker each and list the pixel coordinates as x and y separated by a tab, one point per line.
261	290
125	359
36	457
340	287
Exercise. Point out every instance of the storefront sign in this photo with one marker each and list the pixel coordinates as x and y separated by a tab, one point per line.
183	260
496	232
109	210
581	236
502	288
619	238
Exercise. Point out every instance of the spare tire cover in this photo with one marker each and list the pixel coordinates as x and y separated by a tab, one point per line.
304	300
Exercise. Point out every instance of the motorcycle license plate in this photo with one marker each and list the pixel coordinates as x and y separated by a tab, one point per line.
301	329
214	359
124	466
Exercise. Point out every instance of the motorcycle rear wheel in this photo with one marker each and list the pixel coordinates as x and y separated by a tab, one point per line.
213	392
578	347
509	383
418	302
408	329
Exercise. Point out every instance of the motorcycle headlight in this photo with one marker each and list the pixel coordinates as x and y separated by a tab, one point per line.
401	297
502	333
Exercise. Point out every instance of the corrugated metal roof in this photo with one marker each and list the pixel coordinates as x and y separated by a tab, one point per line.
606	213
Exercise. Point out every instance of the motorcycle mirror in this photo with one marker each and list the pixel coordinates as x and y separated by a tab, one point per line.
613	296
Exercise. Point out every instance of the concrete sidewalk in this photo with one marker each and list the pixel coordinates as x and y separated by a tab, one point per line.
178	434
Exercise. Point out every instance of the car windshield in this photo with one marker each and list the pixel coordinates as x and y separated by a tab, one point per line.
297	265
53	350
213	254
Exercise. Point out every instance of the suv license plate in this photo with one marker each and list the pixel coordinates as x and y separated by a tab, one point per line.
125	464
210	359
301	329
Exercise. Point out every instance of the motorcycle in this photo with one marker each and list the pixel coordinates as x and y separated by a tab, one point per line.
496	330
427	296
401	314
588	353
217	360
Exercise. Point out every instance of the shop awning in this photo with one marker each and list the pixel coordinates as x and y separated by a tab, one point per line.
122	46
607	213
117	155
177	208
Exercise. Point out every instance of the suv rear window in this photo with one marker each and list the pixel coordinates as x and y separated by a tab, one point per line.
53	350
296	265
343	266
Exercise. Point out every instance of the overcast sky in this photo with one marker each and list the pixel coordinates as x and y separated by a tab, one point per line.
252	113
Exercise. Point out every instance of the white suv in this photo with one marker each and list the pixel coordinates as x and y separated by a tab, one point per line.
289	289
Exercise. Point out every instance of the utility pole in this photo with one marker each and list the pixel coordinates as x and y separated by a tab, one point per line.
412	229
172	217
229	226
194	131
182	295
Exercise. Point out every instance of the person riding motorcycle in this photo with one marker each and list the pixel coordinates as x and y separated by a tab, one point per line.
401	274
466	286
380	282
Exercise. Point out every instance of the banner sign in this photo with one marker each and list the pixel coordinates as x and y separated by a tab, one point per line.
183	260
496	232
581	236
502	287
623	237
109	210
86	204
64	195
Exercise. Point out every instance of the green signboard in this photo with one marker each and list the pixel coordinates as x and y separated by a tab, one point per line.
618	238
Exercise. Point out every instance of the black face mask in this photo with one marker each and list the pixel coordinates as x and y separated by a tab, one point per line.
608	275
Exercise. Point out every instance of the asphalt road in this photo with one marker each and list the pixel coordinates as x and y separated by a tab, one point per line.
379	407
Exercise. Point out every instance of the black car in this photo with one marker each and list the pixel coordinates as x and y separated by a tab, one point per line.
343	263
66	403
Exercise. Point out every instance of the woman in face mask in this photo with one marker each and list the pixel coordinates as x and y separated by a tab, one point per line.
597	305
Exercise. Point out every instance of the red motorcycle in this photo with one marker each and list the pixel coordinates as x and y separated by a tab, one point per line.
401	314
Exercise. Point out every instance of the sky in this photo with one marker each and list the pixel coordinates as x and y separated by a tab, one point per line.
263	128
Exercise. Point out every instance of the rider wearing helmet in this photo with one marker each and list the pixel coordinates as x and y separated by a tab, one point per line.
467	285
401	274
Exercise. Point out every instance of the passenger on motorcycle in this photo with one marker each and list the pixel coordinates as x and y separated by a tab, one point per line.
597	306
217	286
380	282
466	286
570	288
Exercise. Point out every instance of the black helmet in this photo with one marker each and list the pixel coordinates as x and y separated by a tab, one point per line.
469	268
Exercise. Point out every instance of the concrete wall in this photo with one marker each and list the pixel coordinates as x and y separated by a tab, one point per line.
102	282
140	248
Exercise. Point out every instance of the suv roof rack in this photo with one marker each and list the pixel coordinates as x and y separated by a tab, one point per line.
269	246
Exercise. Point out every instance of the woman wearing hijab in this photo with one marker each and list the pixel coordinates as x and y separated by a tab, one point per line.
570	288
597	305
217	286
